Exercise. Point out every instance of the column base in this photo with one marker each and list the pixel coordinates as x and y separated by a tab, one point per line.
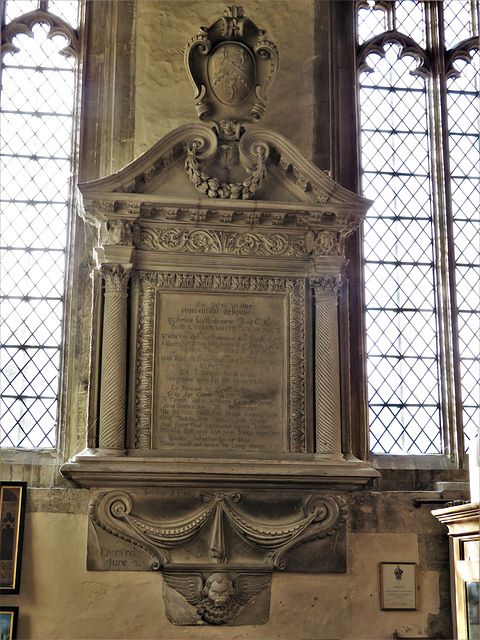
329	457
108	452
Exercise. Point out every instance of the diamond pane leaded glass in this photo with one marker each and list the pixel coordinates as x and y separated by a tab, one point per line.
458	21
403	375
65	9
371	22
407	248
463	98
35	140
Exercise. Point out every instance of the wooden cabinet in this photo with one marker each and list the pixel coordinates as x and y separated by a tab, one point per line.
463	528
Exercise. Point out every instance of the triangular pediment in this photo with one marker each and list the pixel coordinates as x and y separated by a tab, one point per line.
191	163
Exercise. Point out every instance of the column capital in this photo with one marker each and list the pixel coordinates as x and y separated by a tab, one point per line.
116	276
326	285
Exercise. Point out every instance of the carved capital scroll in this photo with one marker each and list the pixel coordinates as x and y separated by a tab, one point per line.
114	357
116	278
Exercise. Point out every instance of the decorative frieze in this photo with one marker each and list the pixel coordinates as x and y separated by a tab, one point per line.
183	240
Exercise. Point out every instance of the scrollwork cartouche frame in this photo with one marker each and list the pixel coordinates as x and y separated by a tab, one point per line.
150	284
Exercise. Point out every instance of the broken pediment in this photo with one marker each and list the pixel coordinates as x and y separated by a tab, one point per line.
192	163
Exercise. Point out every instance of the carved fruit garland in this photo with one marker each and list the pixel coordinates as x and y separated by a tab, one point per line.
212	188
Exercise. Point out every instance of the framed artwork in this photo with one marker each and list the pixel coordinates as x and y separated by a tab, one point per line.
8	623
12	518
398	585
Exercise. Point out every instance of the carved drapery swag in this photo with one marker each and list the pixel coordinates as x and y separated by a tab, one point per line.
323	514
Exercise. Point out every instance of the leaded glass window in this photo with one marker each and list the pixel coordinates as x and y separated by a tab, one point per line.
36	122
420	153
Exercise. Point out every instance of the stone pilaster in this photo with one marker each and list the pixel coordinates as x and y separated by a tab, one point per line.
328	438
114	358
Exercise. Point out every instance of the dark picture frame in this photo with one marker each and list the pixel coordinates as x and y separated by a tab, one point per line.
398	586
12	520
8	623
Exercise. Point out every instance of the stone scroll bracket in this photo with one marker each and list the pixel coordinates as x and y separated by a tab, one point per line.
217	529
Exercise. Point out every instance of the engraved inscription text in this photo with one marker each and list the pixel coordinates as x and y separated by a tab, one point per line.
220	372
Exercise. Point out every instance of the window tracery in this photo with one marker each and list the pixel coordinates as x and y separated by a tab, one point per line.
39	50
419	108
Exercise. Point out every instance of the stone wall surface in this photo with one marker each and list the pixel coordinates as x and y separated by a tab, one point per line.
164	95
60	599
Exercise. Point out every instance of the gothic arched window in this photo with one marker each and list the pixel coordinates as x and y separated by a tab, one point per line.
420	114
39	52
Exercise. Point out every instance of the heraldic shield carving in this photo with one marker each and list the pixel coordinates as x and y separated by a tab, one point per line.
231	65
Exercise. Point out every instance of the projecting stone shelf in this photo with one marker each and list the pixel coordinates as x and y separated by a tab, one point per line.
92	469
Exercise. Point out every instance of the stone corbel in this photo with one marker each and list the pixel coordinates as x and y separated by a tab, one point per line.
321	515
116	242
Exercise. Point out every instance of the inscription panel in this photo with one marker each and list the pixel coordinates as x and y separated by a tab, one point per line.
220	371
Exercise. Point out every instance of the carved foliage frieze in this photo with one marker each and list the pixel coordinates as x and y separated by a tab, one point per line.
151	283
184	240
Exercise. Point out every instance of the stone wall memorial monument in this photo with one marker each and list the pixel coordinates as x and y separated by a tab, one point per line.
218	372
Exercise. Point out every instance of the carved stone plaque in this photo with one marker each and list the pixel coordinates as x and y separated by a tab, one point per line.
221	364
220	378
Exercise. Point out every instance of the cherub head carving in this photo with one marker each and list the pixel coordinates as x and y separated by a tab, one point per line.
218	588
219	598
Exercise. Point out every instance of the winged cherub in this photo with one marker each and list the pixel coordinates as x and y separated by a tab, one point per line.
220	598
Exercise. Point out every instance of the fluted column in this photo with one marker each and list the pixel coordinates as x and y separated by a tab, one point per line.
328	438
114	358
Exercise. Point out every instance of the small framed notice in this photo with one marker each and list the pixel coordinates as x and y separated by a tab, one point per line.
398	585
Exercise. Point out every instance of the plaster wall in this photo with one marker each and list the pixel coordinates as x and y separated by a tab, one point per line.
60	599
